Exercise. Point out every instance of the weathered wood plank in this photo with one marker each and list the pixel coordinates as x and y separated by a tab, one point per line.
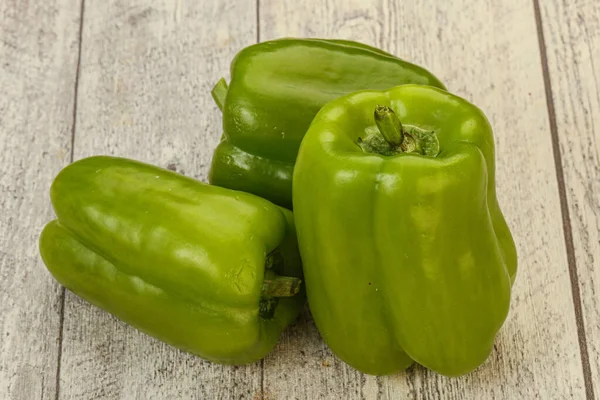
38	64
147	69
572	39
486	52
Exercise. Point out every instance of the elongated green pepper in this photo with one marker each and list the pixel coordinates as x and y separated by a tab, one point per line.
206	269
276	89
406	254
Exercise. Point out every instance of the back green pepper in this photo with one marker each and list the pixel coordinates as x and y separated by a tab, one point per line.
406	254
209	270
276	89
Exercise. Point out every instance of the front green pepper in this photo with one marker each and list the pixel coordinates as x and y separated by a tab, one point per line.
206	269
406	253
276	89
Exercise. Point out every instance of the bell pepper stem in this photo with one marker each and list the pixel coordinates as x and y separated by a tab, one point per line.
389	125
280	286
274	287
219	92
411	140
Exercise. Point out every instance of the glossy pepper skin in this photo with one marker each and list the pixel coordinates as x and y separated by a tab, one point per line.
178	259
406	256
276	89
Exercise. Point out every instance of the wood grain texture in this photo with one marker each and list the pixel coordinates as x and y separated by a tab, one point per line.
147	69
572	39
38	62
488	53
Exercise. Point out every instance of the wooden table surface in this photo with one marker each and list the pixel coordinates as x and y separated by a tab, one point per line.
132	78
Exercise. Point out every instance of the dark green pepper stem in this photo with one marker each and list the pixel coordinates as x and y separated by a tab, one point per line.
389	125
400	140
275	286
219	92
280	286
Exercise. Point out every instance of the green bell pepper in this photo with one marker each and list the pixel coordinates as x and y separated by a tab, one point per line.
406	253
209	270
276	89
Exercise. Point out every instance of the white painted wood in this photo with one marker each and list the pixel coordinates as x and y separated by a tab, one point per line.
147	69
38	61
572	38
487	52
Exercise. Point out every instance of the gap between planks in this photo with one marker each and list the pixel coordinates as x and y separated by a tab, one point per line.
564	207
71	157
